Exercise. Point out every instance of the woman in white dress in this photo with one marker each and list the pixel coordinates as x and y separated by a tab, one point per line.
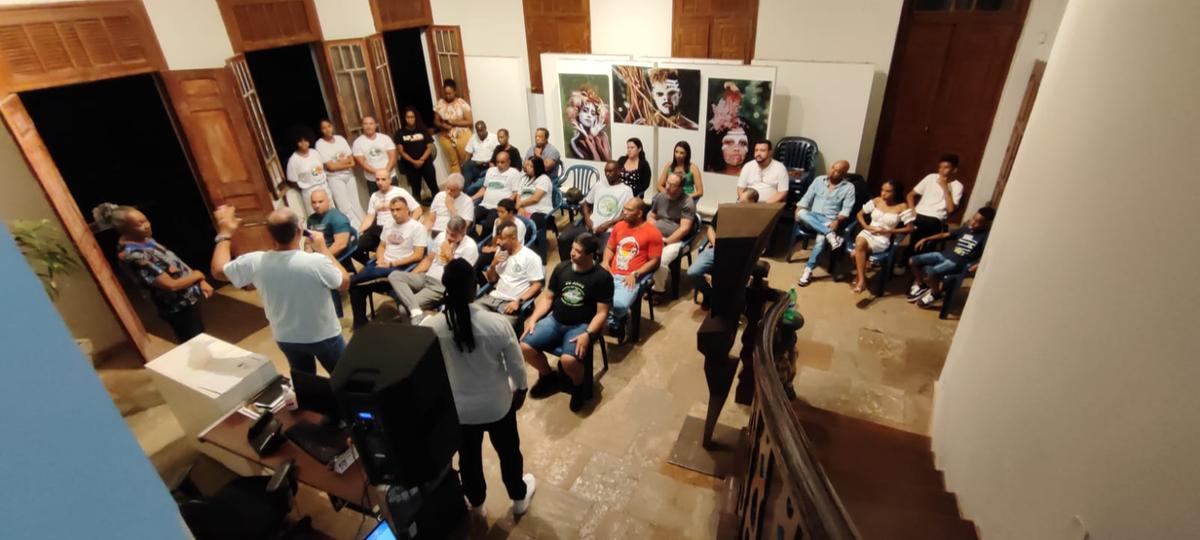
339	168
890	216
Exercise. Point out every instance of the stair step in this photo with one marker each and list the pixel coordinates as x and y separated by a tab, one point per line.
869	490
849	428
886	522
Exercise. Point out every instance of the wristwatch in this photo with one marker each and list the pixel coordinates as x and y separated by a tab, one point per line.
221	238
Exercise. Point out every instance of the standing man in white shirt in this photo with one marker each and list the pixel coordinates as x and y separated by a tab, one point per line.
601	209
380	213
421	288
939	195
502	182
516	272
479	152
374	151
339	173
403	243
294	286
305	168
769	178
449	203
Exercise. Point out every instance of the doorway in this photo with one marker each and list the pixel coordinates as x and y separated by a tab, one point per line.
948	70
290	91
407	62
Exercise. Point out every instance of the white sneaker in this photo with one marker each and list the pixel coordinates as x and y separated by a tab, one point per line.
522	506
806	277
416	316
835	240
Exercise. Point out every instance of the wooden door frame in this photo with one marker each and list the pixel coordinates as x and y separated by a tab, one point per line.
1018	133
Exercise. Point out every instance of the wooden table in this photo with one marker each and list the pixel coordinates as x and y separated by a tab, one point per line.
229	433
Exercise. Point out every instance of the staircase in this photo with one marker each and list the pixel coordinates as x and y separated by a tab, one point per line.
884	477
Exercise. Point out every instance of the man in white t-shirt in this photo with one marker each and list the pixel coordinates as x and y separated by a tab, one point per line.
339	173
934	198
294	286
421	289
601	210
305	168
448	203
516	273
501	182
379	213
403	243
766	176
374	151
479	152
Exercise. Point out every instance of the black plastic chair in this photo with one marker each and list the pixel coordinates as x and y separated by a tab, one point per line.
797	154
802	234
248	508
344	259
950	285
885	260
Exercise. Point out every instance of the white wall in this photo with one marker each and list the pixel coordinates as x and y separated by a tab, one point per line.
1070	388
191	34
631	27
842	31
345	19
1037	38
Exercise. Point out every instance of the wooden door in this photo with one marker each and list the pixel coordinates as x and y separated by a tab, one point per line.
714	29
689	37
947	74
389	112
38	157
208	106
1014	142
555	26
353	84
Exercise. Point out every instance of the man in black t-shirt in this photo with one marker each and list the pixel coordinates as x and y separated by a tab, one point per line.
964	249
568	317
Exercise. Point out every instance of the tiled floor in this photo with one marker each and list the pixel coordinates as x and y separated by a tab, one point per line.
603	473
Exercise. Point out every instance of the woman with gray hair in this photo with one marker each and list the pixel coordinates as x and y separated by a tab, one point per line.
448	203
170	283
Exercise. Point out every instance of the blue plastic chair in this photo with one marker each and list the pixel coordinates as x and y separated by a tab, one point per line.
580	177
885	260
351	247
798	153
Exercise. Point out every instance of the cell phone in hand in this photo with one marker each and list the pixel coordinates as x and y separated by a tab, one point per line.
307	233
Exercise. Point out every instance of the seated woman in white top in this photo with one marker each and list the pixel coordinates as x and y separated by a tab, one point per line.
449	202
890	216
535	198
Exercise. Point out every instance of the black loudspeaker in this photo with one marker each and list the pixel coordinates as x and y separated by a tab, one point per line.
742	233
392	389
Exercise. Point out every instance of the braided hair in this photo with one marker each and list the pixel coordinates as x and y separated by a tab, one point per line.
459	280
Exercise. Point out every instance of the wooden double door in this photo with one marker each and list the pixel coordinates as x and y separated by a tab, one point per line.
948	70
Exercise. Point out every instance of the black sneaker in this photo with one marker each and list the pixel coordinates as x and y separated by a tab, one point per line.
545	386
916	292
578	398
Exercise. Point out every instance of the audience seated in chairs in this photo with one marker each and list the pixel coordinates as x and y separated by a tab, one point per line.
601	210
403	243
505	213
514	156
567	319
766	176
420	289
633	252
448	203
706	257
674	214
682	165
500	183
890	217
823	208
379	214
933	199
963	253
535	198
516	272
479	152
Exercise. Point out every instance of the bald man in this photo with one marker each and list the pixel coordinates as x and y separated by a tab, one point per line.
823	210
634	251
294	285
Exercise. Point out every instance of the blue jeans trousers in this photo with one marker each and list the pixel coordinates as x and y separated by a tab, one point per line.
301	356
699	267
820	224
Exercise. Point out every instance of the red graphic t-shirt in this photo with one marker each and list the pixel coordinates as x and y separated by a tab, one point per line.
633	246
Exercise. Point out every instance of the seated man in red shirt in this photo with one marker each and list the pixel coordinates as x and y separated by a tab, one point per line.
634	250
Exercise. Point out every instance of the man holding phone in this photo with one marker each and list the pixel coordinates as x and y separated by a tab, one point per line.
516	272
294	285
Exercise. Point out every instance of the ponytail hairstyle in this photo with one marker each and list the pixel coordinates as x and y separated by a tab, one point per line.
459	280
113	216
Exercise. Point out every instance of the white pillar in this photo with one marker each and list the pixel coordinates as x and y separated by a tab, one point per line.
1068	402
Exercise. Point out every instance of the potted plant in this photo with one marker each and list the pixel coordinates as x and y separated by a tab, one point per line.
50	256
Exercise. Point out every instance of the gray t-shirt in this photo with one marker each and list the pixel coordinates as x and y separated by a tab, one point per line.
669	212
295	291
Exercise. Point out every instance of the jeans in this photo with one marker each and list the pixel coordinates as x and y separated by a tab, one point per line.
923	227
507	442
623	299
473	171
554	337
473	186
300	355
936	264
700	266
185	323
366	282
817	223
